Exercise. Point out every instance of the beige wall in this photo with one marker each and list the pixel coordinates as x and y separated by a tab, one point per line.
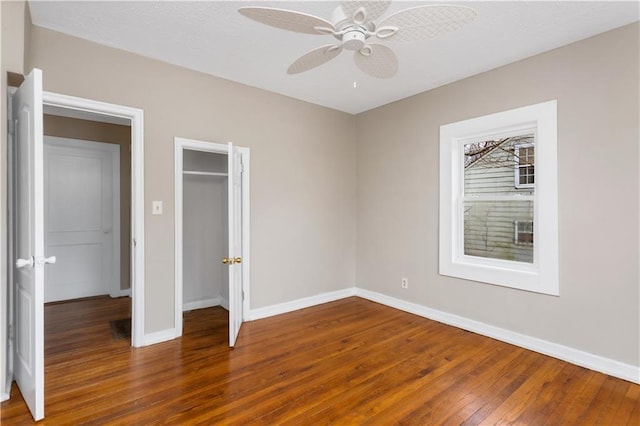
302	166
65	127
596	84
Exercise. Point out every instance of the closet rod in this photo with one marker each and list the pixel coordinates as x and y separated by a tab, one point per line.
193	172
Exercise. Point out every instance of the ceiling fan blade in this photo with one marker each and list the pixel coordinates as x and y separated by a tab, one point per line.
288	20
375	9
314	58
423	22
376	60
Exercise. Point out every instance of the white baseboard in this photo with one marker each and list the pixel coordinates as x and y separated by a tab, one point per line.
160	336
200	304
224	303
575	356
4	396
294	305
120	293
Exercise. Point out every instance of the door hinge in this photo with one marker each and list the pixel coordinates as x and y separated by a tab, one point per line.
243	295
11	333
134	242
11	125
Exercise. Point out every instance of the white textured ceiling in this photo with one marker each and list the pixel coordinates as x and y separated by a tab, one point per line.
212	37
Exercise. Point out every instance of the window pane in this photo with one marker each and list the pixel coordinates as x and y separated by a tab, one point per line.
526	156
490	230
489	166
523	232
526	175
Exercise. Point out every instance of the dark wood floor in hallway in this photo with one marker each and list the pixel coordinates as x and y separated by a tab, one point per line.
347	362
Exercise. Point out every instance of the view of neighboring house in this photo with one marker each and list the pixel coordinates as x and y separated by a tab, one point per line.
499	184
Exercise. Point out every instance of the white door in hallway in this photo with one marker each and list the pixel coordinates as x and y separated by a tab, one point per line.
28	242
82	211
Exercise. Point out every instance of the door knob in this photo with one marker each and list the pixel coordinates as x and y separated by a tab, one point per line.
237	260
21	263
45	260
227	261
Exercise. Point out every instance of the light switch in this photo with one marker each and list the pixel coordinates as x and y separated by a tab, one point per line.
156	207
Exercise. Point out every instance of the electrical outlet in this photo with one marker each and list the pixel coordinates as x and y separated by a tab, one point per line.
405	283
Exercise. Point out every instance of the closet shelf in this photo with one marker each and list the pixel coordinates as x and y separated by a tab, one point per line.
193	172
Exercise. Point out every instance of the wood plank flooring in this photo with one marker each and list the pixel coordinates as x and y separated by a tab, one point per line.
349	362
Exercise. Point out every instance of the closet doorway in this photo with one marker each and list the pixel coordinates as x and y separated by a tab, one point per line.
212	230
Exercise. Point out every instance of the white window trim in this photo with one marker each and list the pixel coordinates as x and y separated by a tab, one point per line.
542	275
516	168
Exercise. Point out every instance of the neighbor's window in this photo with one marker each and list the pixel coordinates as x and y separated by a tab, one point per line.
525	166
493	229
523	232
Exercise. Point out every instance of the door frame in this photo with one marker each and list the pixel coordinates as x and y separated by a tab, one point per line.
113	151
91	109
196	145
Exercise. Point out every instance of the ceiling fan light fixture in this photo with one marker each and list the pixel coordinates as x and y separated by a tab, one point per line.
353	40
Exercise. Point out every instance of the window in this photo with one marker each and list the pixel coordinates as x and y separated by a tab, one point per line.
523	232
525	166
492	229
491	201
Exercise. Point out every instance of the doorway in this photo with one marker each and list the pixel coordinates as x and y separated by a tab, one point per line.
212	230
131	190
204	230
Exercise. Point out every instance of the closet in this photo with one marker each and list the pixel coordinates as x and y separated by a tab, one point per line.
205	230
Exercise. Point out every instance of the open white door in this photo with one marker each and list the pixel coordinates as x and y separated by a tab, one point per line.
235	243
29	242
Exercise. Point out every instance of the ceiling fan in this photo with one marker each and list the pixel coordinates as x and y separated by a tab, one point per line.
353	24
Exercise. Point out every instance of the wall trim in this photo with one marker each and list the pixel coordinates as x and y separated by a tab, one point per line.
200	304
305	302
135	117
588	360
114	294
224	303
4	396
160	336
574	356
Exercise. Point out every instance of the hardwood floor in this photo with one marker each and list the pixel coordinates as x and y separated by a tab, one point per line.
346	362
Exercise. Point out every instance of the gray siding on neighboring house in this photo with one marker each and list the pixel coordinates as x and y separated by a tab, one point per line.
489	225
